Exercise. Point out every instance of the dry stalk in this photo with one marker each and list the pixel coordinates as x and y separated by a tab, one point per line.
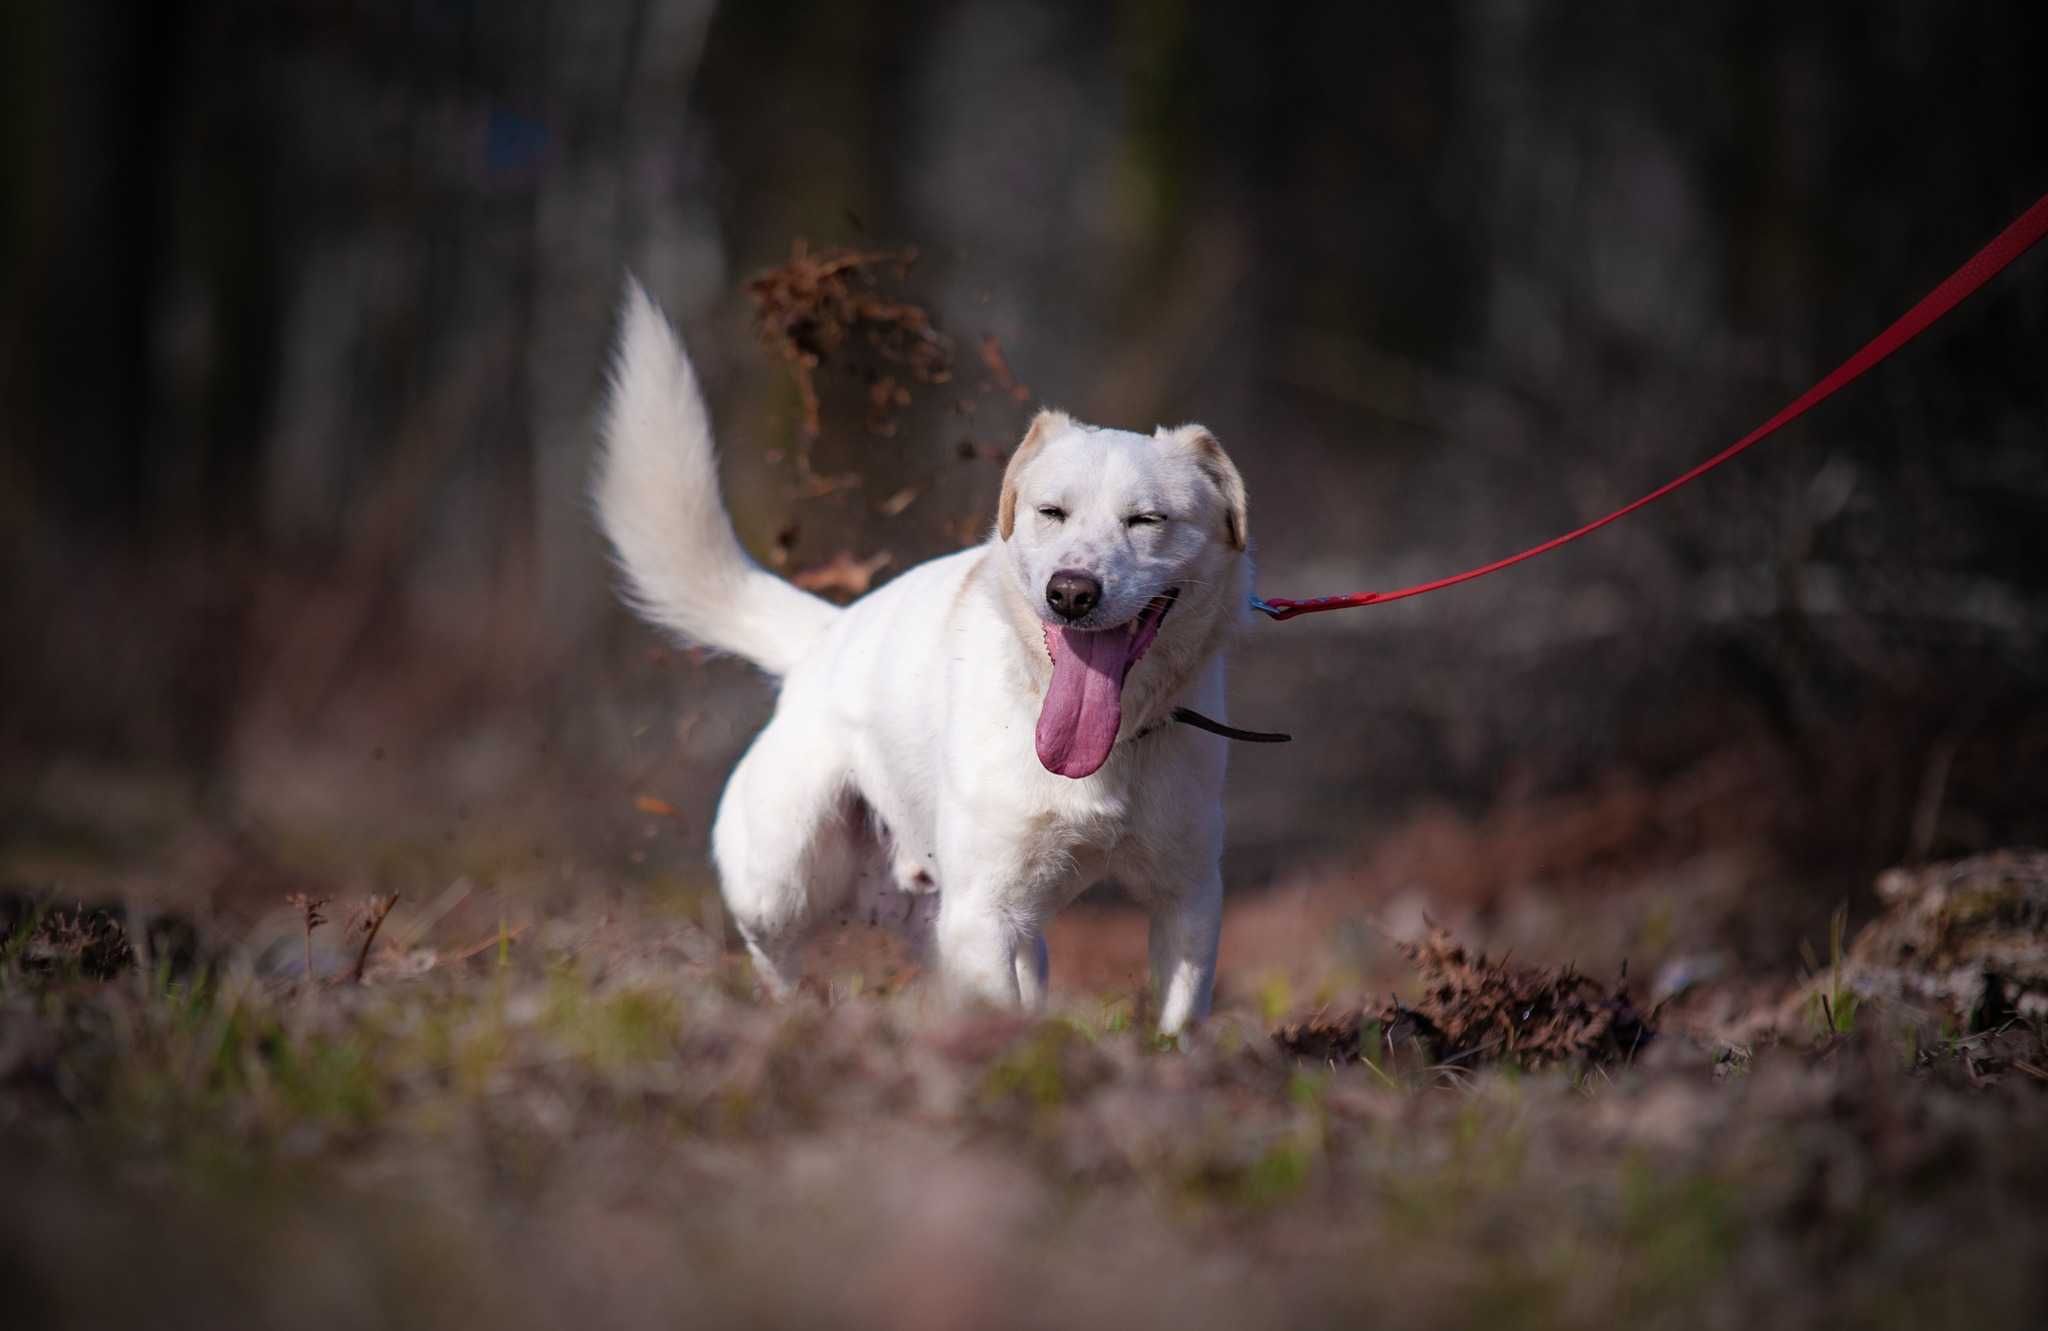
373	915
309	913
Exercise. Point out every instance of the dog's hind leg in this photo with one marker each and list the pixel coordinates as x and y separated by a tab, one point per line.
790	839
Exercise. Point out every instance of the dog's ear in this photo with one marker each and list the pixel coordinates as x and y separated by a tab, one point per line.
1222	473
1044	426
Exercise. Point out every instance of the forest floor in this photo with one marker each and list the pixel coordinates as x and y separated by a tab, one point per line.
551	1096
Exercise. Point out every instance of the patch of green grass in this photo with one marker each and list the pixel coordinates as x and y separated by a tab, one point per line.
16	942
1370	1056
1271	1169
1524	1290
333	1082
1656	932
1275	999
1679	1231
1833	1008
1279	1174
1480	1151
1033	1070
610	1030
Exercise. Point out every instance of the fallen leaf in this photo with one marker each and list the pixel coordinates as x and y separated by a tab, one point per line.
896	503
999	366
810	484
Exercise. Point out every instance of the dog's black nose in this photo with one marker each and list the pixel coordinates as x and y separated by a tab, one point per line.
1072	593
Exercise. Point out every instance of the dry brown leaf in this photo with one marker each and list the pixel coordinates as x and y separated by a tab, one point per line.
999	367
813	484
894	505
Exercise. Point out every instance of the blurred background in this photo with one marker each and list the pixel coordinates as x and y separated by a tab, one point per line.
303	324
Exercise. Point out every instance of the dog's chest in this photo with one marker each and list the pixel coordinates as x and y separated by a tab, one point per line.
1072	817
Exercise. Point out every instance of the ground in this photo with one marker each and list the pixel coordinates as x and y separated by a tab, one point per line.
553	1096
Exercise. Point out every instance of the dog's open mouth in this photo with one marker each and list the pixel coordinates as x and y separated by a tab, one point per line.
1084	707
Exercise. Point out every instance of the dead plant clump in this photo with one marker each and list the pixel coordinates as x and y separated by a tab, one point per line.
91	943
1968	939
811	309
1474	1011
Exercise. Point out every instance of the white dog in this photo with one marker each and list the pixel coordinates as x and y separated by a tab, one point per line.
992	725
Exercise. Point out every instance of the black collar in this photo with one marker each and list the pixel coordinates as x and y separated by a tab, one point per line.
1188	716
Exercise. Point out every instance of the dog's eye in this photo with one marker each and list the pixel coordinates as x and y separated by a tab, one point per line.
1145	520
1053	511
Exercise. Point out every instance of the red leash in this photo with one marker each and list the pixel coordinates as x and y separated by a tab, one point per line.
2012	242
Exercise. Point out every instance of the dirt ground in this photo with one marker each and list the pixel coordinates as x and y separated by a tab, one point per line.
553	1094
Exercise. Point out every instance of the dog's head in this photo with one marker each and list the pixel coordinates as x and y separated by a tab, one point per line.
1105	533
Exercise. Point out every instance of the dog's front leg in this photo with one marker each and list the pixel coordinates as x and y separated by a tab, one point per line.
1034	963
995	884
1186	924
981	950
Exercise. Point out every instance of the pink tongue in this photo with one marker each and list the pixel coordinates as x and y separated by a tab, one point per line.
1085	705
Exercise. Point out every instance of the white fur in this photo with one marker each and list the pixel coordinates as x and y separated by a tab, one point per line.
657	494
901	752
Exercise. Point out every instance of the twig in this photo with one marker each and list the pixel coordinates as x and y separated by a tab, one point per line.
498	939
373	920
309	912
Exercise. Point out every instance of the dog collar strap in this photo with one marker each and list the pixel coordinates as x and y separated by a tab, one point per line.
1188	716
1988	262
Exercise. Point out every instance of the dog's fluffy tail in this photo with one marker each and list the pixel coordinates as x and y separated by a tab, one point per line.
657	496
